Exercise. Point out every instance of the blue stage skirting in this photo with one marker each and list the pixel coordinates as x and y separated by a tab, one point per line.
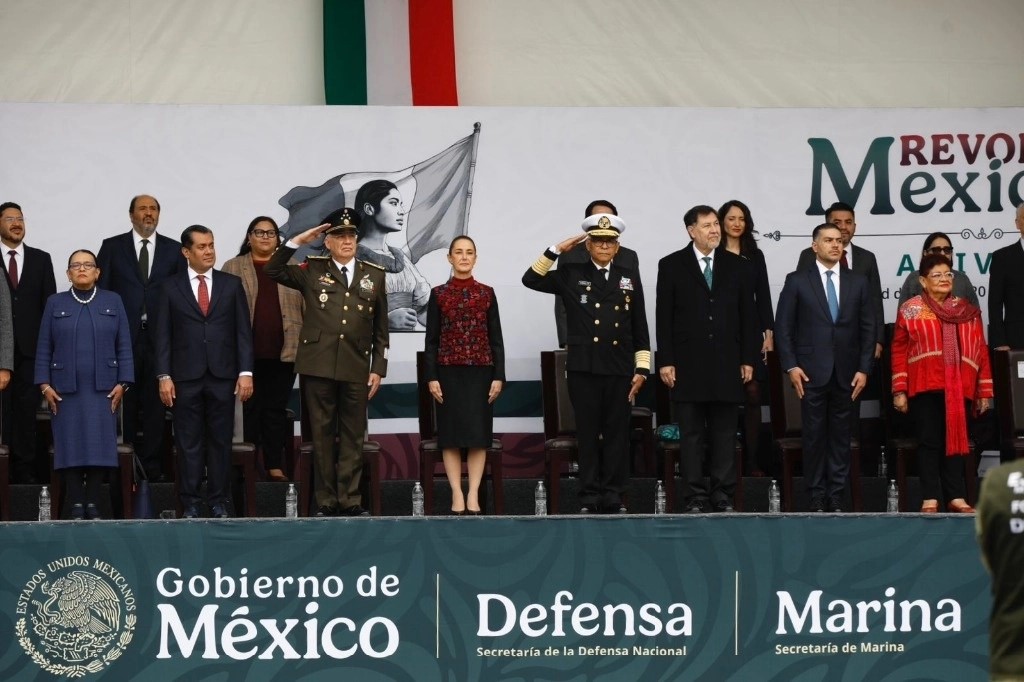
717	597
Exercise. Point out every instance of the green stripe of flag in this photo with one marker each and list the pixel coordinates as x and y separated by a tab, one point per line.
344	52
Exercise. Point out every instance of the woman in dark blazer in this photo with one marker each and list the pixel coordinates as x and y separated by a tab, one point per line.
83	367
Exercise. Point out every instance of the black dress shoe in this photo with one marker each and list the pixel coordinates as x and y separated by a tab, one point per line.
326	510
219	511
695	507
723	506
817	506
91	512
190	512
622	509
77	512
834	507
356	510
586	510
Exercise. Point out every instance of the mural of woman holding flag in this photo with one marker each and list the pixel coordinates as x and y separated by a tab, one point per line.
382	212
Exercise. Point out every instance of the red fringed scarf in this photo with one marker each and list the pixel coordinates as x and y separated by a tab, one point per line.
952	312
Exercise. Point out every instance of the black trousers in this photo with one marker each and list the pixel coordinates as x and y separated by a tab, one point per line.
718	421
21	401
204	416
938	473
265	417
825	416
144	415
601	405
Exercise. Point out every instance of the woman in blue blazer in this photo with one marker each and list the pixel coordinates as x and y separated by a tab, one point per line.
83	367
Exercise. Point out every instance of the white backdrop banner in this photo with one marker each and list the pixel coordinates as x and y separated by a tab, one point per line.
529	173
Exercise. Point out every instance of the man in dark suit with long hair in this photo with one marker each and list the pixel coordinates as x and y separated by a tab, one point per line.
825	335
203	360
30	278
133	265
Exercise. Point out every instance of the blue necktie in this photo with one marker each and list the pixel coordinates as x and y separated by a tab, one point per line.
830	293
707	270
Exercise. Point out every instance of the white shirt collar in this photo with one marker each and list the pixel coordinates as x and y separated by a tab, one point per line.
19	249
822	269
700	257
350	265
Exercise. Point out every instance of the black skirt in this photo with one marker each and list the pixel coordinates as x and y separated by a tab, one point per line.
465	419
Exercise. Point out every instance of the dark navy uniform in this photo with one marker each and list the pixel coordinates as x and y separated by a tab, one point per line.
608	342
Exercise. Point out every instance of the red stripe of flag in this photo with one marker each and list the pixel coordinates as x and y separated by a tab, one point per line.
432	53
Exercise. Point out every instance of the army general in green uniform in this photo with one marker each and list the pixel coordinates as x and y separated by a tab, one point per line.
343	353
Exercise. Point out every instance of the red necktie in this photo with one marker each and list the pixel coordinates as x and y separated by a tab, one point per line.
204	295
12	269
842	261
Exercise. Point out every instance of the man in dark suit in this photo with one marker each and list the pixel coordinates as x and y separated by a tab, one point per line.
133	265
1006	293
708	338
30	278
609	354
825	334
342	355
204	359
626	257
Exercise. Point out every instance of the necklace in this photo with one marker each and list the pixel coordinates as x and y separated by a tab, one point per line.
88	300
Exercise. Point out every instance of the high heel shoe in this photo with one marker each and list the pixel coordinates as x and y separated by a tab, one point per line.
473	512
460	512
959	508
930	507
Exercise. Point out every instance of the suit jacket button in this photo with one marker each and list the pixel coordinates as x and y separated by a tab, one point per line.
347	294
615	343
595	339
597	321
597	305
616	324
344	321
344	307
341	336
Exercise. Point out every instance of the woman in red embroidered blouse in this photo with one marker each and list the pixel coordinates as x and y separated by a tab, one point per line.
940	360
465	370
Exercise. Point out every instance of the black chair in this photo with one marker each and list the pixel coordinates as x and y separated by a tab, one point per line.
786	433
302	475
669	451
430	453
561	451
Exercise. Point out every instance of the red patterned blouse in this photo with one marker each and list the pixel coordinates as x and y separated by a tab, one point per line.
463	327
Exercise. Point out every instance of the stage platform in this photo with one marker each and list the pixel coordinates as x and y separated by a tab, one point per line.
743	596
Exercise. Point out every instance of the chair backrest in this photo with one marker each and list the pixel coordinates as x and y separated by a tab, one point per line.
1008	380
559	419
424	401
784	402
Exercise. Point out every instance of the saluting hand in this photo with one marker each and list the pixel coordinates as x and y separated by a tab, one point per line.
309	235
571	243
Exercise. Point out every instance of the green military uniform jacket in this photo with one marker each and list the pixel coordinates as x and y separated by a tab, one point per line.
344	333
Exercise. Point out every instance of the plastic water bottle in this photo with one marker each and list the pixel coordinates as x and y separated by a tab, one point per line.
417	499
659	498
44	503
774	498
291	502
883	465
540	500
892	498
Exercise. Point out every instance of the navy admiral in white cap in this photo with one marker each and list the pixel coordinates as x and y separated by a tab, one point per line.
609	353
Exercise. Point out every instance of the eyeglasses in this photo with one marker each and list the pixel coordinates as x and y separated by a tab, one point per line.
609	243
264	233
938	276
82	266
946	250
12	219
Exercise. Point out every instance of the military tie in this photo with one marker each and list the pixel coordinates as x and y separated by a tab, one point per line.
830	293
344	277
707	270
